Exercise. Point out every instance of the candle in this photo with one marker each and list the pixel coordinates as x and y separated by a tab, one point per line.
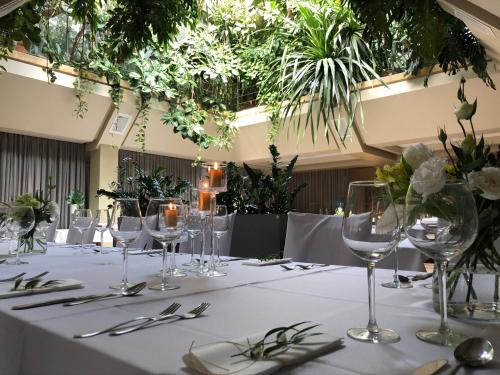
215	176
204	201
170	215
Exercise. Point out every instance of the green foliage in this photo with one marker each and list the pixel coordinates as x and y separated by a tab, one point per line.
76	197
432	35
329	61
259	193
144	186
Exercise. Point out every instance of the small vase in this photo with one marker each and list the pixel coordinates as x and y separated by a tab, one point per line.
472	295
72	208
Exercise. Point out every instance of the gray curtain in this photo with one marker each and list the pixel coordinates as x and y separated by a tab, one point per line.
27	162
179	168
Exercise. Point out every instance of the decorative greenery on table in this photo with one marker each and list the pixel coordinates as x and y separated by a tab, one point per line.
259	193
32	284
209	59
470	160
144	186
276	341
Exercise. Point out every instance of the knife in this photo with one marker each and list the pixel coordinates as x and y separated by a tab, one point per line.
54	302
430	367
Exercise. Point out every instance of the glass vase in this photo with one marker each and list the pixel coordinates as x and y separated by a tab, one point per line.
472	294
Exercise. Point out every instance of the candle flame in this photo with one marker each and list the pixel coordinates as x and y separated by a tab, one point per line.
171	206
216	165
205	184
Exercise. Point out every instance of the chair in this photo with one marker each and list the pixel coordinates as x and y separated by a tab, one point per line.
318	239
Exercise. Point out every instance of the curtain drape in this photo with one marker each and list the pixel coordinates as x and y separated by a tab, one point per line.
27	162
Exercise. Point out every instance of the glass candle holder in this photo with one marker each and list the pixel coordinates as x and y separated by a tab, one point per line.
214	177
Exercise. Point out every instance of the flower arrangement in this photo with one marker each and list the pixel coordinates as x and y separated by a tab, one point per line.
469	160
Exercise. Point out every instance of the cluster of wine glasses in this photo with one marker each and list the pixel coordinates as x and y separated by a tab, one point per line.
441	225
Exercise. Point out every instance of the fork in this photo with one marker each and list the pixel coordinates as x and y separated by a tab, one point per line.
13	278
169	310
194	313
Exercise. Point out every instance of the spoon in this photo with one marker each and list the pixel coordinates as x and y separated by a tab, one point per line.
474	352
129	292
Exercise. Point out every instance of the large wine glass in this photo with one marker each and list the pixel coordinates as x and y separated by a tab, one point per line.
193	230
367	202
441	225
165	221
81	220
125	226
20	220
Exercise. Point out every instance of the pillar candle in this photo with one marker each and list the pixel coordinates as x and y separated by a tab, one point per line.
204	201
215	176
170	215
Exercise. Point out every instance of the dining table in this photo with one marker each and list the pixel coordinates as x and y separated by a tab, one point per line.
250	299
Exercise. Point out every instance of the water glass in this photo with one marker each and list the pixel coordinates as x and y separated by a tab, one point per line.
125	225
441	225
193	230
221	226
101	219
81	220
20	220
367	202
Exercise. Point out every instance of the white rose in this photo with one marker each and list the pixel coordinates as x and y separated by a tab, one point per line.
430	177
416	155
488	181
387	222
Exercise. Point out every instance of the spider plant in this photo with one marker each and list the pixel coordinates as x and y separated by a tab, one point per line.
322	71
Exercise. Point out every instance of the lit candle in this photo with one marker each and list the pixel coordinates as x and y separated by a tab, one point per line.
204	201
170	215
215	176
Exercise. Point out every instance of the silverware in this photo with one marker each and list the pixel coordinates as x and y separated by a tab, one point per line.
169	310
194	313
475	352
13	278
302	266
430	368
60	300
3	261
410	278
129	292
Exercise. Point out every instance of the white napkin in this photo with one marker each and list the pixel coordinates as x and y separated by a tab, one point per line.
269	262
215	359
6	292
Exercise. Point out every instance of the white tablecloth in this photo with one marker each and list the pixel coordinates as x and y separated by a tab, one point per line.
248	300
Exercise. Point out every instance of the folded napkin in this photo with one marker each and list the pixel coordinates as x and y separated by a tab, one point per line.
270	262
6	292
215	359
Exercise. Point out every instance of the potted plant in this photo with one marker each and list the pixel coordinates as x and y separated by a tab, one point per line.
261	202
76	200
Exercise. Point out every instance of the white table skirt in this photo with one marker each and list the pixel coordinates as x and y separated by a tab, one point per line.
250	299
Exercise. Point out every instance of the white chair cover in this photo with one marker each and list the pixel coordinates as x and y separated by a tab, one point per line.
318	239
74	236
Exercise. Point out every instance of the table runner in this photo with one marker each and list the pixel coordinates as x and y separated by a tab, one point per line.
249	299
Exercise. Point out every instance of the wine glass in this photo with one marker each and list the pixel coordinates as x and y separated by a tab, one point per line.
194	230
81	220
20	220
396	283
165	221
441	225
101	219
367	202
125	225
221	226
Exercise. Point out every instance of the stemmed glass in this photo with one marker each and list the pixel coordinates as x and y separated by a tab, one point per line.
81	220
221	226
125	225
165	221
101	219
441	225
20	220
193	230
367	202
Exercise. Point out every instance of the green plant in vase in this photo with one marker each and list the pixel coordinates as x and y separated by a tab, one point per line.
77	198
